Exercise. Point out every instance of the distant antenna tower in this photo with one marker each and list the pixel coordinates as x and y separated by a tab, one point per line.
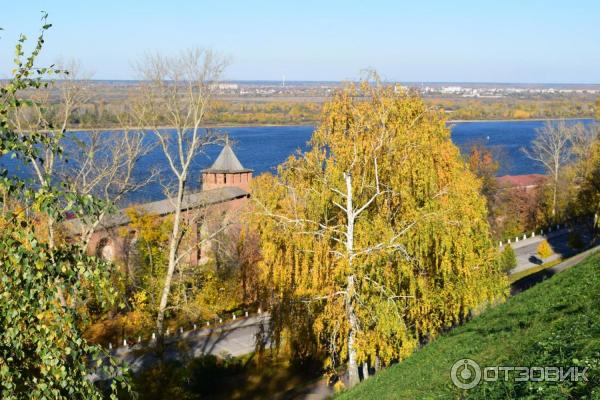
283	81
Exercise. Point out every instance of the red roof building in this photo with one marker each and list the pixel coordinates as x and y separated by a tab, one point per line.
527	182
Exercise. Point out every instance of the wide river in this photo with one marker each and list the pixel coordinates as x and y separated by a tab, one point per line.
262	148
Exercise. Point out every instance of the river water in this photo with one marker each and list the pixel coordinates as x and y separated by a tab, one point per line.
262	148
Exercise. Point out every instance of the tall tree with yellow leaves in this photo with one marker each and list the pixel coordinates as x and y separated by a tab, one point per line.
376	239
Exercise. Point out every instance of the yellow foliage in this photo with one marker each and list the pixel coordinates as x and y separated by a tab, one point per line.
339	386
521	114
140	318
412	285
544	249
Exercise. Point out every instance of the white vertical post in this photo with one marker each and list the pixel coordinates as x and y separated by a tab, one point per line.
109	345
124	342
533	234
501	243
246	314
516	239
153	336
233	316
207	323
194	326
524	236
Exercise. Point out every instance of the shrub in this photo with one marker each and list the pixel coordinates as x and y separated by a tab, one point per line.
508	259
544	250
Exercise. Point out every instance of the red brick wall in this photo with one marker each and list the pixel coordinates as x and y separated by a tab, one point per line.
211	180
213	216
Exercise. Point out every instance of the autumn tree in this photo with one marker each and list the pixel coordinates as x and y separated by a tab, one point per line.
376	239
181	90
100	164
508	259
104	165
482	163
552	148
587	200
544	250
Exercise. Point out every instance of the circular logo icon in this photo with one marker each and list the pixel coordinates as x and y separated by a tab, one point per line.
465	374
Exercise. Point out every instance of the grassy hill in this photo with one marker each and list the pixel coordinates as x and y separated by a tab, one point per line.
556	323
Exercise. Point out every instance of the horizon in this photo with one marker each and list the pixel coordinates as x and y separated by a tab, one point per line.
462	42
308	81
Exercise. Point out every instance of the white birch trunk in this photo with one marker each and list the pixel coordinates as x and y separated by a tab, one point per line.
353	377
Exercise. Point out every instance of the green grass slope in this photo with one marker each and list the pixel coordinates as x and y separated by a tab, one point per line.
556	323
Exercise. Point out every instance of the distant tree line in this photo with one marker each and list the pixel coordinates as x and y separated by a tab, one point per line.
96	111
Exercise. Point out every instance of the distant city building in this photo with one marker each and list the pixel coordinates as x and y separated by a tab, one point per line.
227	86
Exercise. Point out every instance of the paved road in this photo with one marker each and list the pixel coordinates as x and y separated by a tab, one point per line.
526	250
233	339
535	278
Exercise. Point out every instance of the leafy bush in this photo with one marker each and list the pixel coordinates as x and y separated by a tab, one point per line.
508	259
544	250
44	282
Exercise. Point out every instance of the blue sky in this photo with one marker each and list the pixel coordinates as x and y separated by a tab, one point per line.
419	40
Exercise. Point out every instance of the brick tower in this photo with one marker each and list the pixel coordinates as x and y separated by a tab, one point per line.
226	171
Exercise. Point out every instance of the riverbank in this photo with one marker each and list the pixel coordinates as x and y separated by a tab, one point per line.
461	121
314	123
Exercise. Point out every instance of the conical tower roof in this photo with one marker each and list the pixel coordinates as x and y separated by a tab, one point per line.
227	162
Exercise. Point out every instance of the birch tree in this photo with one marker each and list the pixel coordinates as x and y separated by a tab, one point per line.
552	148
179	91
376	239
49	112
94	164
43	352
105	165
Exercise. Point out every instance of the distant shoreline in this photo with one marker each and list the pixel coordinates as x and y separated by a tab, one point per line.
518	119
313	123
